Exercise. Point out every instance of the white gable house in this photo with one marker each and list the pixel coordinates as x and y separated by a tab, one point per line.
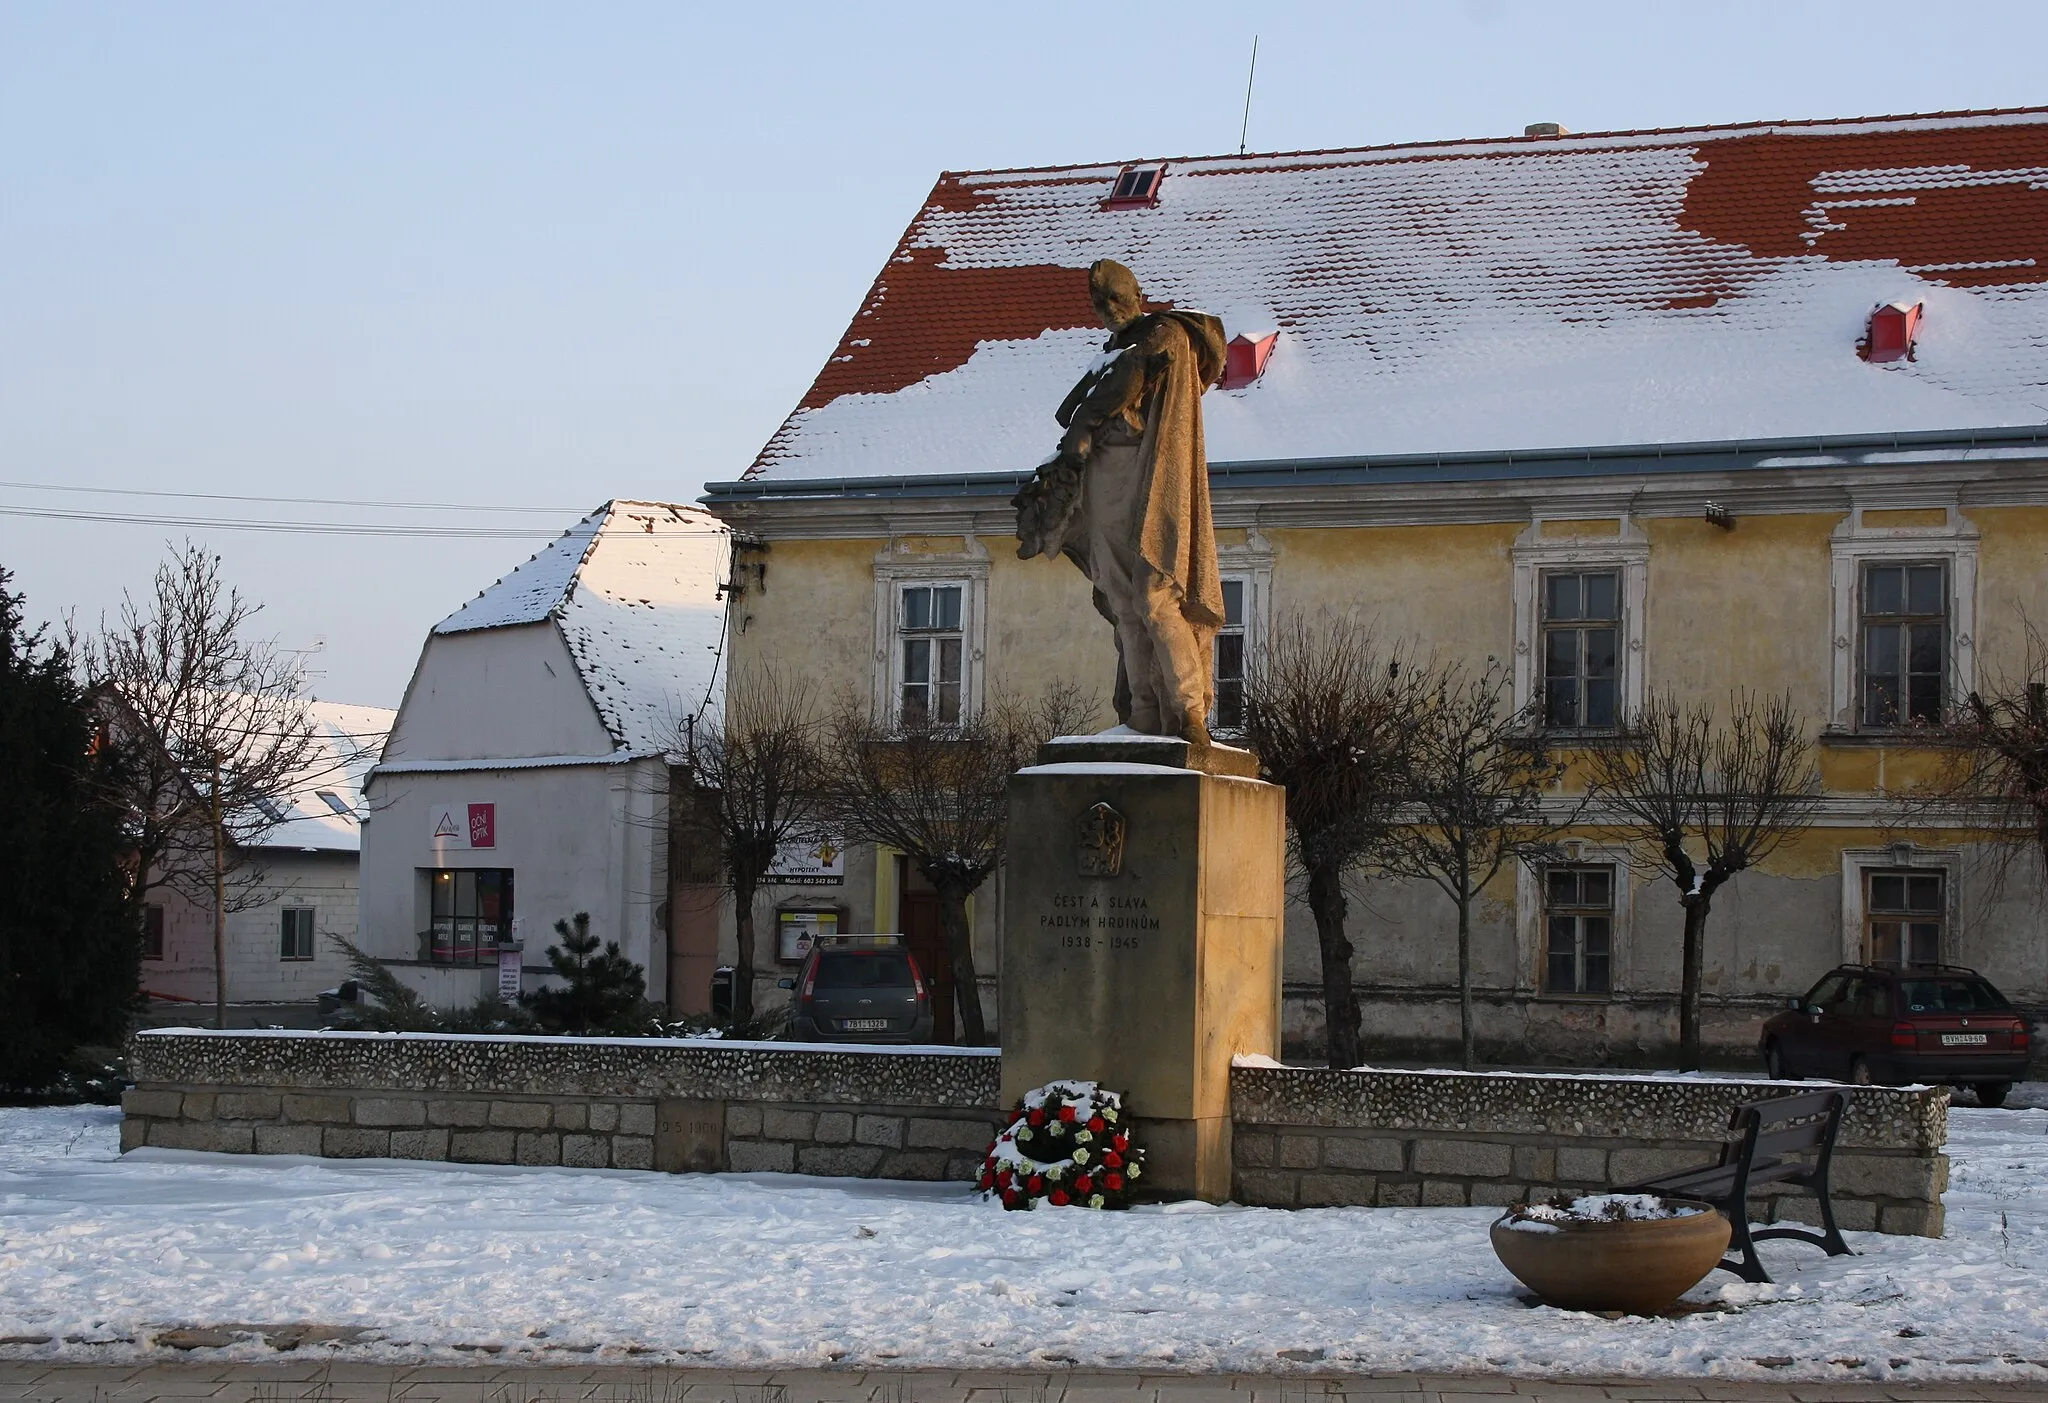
527	774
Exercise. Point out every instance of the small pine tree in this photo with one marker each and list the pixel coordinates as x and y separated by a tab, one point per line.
603	991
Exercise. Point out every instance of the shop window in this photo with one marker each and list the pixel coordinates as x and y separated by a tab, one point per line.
470	914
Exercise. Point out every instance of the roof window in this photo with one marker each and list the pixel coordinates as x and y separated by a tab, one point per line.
1893	328
1136	186
334	802
1244	360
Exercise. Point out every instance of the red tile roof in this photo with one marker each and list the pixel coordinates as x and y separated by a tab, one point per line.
1531	292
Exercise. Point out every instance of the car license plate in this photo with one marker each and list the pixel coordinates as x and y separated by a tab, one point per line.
862	1025
1963	1040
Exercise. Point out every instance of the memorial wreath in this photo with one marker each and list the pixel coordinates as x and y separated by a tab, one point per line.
1068	1144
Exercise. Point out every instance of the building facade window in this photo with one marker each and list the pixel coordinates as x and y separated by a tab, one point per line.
152	932
931	620
1228	678
931	672
295	933
470	914
1581	649
1904	642
1578	918
1581	589
1904	584
1903	915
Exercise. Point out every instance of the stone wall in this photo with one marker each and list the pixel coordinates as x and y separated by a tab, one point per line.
1303	1137
1310	1137
625	1103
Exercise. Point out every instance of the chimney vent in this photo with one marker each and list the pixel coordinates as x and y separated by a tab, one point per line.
1545	129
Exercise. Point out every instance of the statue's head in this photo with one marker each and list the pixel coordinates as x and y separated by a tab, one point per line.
1113	289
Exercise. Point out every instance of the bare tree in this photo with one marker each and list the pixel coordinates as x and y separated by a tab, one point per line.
1991	780
758	778
218	734
940	796
1701	798
1329	714
1479	800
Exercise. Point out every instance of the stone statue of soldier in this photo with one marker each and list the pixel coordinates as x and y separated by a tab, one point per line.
1126	498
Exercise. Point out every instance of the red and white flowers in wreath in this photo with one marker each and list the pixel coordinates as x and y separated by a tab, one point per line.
1068	1144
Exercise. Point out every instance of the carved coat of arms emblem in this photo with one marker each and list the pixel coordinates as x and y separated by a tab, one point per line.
1101	850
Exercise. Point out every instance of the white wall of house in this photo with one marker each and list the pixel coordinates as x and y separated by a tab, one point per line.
323	882
493	694
576	837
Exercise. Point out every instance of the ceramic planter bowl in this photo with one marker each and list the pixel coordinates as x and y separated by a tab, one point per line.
1638	1266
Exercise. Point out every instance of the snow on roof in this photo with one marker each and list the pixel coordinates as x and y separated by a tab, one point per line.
1533	292
634	589
347	742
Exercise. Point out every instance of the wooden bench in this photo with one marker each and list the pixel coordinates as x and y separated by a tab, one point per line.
1761	1136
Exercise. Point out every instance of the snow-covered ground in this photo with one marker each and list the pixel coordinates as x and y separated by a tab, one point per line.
743	1270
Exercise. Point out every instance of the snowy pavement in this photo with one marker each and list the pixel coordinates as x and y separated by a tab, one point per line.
101	1254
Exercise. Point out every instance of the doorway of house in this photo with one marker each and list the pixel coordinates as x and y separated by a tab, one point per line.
917	916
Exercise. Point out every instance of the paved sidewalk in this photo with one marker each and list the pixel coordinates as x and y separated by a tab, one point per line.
314	1382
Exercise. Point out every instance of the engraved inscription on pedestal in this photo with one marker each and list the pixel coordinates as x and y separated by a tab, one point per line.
689	1136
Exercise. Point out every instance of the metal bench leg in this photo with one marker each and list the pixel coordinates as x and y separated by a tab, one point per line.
1742	1258
1831	1236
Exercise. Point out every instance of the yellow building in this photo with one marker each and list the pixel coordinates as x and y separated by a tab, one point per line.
1690	410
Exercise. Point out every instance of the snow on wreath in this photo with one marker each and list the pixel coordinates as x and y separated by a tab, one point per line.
1067	1144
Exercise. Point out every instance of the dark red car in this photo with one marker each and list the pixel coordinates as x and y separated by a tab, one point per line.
1886	1024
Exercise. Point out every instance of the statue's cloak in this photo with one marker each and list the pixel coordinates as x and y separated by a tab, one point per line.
1151	376
1183	354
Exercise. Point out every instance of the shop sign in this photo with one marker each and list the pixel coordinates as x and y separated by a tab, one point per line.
463	825
820	863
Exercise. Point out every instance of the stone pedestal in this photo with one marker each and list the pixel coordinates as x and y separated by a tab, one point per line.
1142	930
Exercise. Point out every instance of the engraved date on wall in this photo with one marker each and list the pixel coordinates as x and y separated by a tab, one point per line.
1090	921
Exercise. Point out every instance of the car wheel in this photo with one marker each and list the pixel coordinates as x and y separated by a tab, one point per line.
1859	1072
1992	1093
1774	1063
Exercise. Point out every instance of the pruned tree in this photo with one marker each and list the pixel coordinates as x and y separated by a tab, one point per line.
759	784
70	949
217	732
1990	779
1329	713
939	795
1700	797
1481	797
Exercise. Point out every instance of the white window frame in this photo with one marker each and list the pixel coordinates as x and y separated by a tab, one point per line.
1531	937
1909	857
896	567
1626	552
1250	563
1854	545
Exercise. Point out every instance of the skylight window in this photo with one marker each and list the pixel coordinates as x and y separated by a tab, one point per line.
335	802
1136	185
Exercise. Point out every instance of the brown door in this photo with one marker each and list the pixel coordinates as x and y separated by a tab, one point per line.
917	916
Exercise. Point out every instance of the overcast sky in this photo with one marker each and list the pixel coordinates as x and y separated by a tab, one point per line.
524	255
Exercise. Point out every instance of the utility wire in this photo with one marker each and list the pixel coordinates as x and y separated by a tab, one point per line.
292	501
320	528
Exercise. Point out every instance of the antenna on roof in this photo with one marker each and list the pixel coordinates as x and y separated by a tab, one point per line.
1247	125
